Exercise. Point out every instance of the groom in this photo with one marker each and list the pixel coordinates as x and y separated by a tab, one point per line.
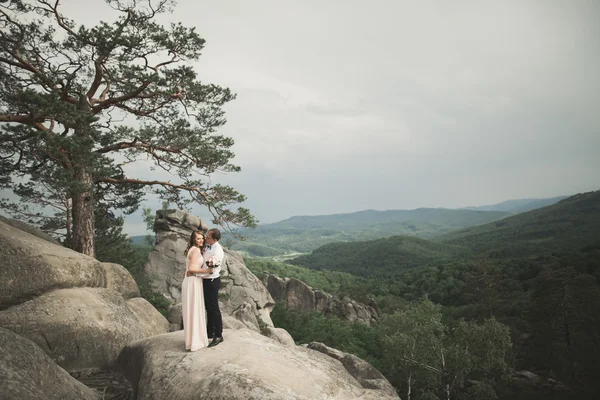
211	283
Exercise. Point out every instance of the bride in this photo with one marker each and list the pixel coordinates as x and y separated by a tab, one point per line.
192	295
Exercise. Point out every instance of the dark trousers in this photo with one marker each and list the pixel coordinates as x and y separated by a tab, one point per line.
214	322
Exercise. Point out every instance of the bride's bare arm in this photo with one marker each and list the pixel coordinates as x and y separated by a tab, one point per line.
195	258
205	271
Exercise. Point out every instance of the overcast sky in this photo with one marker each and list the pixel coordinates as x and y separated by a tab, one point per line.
350	105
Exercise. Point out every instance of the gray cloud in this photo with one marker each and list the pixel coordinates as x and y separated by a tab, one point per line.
349	105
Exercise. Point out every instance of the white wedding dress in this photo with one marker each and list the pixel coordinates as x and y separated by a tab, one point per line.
192	308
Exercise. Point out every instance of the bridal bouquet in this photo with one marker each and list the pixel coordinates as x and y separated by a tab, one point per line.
213	262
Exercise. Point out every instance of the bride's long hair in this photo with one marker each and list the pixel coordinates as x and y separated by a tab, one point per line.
191	242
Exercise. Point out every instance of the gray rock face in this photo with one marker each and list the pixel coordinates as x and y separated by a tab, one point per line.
26	372
243	293
362	371
175	318
244	300
178	221
280	335
120	280
246	366
29	229
81	312
32	266
83	327
299	296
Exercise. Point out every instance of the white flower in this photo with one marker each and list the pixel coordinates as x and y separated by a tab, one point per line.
213	261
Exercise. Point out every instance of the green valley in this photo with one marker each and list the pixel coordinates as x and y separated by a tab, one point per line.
537	272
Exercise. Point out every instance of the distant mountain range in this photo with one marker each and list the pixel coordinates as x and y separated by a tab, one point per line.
303	234
518	205
572	224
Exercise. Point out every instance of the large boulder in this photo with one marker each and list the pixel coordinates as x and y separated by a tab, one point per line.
120	280
83	327
295	294
32	266
280	335
26	372
80	311
367	375
246	366
299	295
32	230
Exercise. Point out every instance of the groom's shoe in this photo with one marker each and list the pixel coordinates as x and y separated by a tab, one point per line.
216	341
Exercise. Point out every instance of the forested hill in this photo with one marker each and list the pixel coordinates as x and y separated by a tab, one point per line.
537	272
570	226
572	223
381	257
306	233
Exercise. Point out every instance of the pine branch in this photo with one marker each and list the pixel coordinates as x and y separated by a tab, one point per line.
167	185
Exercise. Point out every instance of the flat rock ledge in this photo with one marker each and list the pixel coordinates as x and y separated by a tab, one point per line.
246	365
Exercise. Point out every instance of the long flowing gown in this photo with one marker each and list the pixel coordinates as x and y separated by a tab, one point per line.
192	307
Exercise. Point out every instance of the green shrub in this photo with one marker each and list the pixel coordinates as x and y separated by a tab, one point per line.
155	298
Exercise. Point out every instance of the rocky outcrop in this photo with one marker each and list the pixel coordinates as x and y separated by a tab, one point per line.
246	366
362	371
244	300
294	293
526	385
26	372
80	311
243	294
63	309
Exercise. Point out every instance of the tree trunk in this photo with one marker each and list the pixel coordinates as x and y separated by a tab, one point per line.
82	192
83	213
68	215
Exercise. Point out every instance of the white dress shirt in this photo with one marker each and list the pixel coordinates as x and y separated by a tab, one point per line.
216	251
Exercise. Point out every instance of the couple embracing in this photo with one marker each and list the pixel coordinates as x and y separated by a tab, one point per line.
200	291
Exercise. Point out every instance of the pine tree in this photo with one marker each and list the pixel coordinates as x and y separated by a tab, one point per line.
63	89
